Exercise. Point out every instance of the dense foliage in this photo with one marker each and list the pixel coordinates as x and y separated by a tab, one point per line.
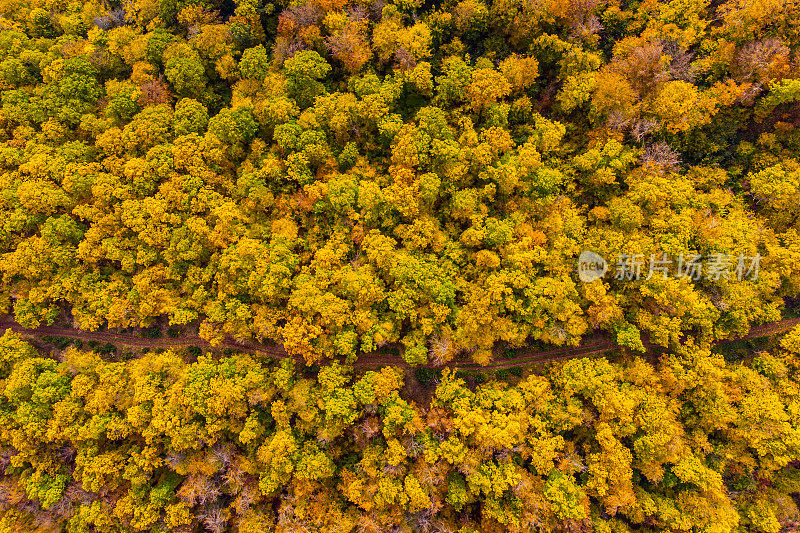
339	175
234	444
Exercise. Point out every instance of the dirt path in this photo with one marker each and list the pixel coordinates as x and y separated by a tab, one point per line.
594	344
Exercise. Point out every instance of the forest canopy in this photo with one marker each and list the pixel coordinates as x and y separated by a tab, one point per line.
234	444
452	180
336	176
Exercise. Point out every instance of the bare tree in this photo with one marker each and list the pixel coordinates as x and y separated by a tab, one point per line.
661	154
199	489
643	127
404	59
441	348
680	68
304	15
617	120
247	496
643	67
174	458
757	61
214	520
114	18
223	452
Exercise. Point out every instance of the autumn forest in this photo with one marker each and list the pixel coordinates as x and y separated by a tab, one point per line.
399	266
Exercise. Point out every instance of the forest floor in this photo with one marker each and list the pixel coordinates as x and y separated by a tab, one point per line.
386	356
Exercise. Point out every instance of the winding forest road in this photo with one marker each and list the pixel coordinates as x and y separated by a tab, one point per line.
594	344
